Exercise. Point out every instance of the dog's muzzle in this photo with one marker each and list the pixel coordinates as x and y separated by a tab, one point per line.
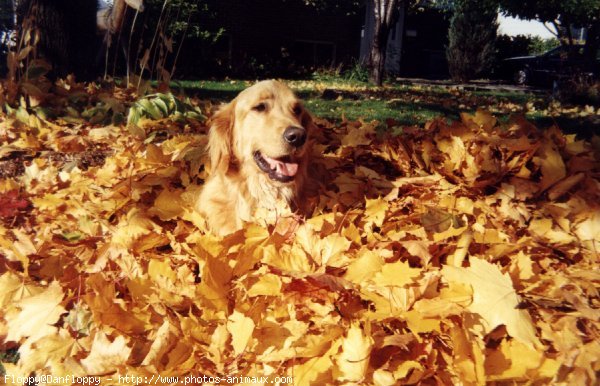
282	169
295	136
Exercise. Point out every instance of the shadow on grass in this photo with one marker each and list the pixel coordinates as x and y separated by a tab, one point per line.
406	106
405	112
434	108
583	127
220	91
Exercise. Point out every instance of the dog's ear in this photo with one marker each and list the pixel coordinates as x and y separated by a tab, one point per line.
308	123
220	137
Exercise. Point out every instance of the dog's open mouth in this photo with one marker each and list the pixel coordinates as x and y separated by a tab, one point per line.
282	169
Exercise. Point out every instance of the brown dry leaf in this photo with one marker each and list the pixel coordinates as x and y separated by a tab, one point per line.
353	361
375	211
133	226
34	316
162	342
501	365
267	285
588	231
168	205
13	290
494	299
316	370
367	264
241	328
106	355
49	353
441	255
396	274
551	163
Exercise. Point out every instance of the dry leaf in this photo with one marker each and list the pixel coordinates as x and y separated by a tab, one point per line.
494	299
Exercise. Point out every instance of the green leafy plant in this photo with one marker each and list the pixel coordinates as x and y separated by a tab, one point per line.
357	72
159	106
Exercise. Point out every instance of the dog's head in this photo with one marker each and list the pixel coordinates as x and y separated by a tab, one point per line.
265	126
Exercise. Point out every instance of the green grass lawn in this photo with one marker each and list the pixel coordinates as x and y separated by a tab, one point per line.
333	98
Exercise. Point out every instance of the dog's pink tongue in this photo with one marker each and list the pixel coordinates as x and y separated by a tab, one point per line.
284	168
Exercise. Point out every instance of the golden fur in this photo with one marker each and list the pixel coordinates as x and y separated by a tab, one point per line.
253	163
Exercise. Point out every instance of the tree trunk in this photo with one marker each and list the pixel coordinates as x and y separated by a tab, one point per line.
386	14
67	30
592	45
377	56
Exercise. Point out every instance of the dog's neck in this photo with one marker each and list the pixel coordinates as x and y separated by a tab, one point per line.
260	192
256	196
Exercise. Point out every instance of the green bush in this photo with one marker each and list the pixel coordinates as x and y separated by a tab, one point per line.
471	47
580	90
511	46
540	45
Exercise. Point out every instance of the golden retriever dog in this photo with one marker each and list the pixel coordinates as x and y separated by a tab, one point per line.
258	146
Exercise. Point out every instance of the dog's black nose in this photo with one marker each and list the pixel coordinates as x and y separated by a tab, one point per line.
295	136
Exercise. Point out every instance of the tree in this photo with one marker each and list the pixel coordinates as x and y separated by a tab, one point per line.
562	14
66	31
386	14
472	39
166	27
6	28
111	20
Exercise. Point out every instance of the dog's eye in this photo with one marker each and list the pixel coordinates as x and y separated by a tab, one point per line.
260	107
297	110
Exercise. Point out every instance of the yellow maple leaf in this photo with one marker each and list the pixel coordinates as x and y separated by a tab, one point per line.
168	205
48	201
515	361
161	273
367	264
48	352
105	355
544	227
419	324
359	136
468	355
407	367
551	163
450	232
218	343
482	118
353	361
494	299
332	250
12	289
588	231
267	285
108	310
19	249
396	274
315	371
418	248
383	378
131	227
462	248
457	153
216	276
162	341
36	314
324	251
375	211
288	258
241	328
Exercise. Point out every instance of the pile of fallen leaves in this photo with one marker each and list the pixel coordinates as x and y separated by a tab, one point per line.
457	253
